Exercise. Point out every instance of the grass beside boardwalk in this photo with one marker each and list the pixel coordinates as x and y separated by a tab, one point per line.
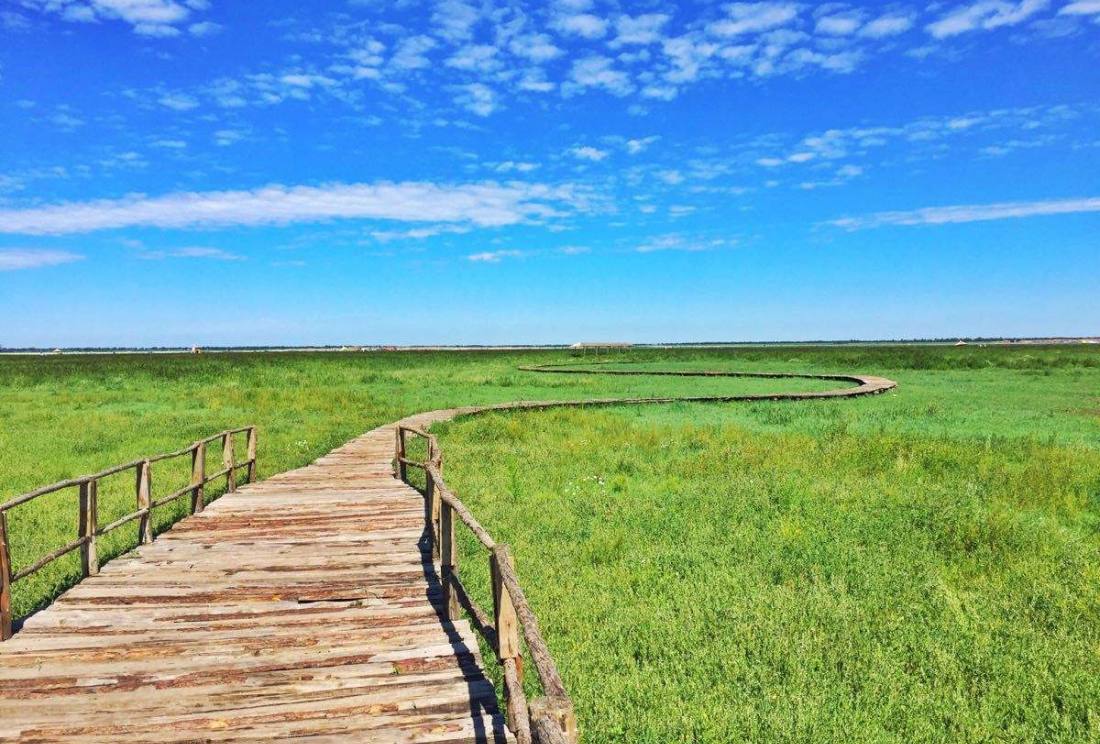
917	566
920	566
66	416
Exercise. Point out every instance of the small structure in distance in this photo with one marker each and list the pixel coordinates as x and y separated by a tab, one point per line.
598	346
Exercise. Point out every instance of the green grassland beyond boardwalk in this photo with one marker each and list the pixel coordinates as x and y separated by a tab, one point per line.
916	566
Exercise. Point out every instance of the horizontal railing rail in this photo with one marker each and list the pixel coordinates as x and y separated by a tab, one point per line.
549	719
88	527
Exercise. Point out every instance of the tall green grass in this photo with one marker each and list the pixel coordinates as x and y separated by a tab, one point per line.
76	414
916	566
922	566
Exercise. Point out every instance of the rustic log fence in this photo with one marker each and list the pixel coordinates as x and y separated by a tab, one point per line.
549	719
88	527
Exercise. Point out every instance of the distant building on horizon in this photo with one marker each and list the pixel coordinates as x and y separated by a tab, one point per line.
598	346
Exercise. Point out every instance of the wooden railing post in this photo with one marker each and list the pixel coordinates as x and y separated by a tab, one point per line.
252	454
401	471
5	580
504	613
508	649
144	487
89	525
198	477
553	721
437	504
228	462
448	559
431	509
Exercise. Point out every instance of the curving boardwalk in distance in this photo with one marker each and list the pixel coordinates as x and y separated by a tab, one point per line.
303	607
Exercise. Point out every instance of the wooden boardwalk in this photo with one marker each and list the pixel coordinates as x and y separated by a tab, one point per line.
305	607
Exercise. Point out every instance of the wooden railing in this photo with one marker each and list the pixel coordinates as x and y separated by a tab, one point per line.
545	720
88	528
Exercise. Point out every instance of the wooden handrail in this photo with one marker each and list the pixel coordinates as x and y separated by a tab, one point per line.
88	528
545	720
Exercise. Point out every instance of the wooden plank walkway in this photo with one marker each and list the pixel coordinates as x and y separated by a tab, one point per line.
302	607
305	607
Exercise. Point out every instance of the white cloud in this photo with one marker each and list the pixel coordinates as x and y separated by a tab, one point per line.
599	72
675	242
1081	7
574	250
15	259
642	29
418	233
581	24
743	18
11	21
964	122
156	30
535	47
588	153
887	25
535	82
838	25
455	20
486	204
306	80
512	165
493	256
843	62
924	137
226	137
147	17
194	251
178	102
410	53
971	213
478	57
635	146
478	98
688	56
206	28
985	15
66	120
660	92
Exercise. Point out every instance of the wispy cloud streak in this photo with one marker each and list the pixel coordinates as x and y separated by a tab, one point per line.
486	204
21	258
970	213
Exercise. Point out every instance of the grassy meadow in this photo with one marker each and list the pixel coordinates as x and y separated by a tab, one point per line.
922	565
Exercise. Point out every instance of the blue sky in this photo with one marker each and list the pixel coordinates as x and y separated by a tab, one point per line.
214	172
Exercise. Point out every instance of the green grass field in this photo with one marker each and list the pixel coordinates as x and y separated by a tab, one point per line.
917	566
